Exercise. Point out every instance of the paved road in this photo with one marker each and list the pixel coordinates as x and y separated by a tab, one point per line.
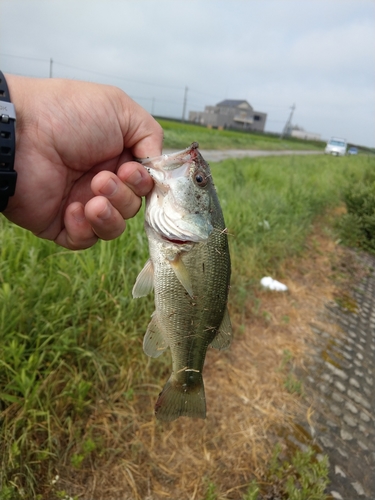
341	384
216	155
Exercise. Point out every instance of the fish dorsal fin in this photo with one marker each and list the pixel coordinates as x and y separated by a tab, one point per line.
223	337
154	343
145	281
182	273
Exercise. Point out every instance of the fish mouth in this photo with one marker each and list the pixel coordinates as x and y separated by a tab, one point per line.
168	166
177	242
171	238
173	160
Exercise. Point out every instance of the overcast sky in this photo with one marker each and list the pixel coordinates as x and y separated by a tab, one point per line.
316	54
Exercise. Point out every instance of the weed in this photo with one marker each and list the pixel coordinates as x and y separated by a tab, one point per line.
286	359
357	226
303	477
86	449
293	385
211	493
68	340
77	459
129	394
298	477
267	316
252	492
63	495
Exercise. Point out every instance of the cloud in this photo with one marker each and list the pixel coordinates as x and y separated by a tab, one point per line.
271	52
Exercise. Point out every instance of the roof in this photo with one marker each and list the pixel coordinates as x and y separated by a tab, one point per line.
232	103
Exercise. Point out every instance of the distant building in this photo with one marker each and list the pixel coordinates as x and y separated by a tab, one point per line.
300	133
230	113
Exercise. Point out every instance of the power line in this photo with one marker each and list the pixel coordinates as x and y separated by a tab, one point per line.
24	57
205	93
53	63
107	75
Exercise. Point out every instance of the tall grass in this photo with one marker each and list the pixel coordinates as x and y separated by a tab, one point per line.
270	203
71	335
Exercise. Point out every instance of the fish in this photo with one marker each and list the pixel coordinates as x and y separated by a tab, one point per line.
189	270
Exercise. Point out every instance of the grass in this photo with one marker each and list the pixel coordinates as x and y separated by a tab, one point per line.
70	336
178	135
76	390
297	477
357	225
290	476
270	204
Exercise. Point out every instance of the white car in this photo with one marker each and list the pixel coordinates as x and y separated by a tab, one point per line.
336	147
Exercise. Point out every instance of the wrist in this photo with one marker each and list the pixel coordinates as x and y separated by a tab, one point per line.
8	176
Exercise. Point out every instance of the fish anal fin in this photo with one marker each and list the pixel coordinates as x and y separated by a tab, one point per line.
154	343
182	273
175	400
145	281
224	335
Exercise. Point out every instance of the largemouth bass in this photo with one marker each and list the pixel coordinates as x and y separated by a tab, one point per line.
189	270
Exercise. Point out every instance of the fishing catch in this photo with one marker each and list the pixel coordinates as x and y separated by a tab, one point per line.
189	270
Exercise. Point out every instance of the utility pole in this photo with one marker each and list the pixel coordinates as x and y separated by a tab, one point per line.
50	67
288	123
184	107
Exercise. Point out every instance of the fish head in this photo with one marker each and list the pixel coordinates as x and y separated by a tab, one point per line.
179	206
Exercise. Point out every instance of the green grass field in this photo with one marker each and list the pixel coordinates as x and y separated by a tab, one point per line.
178	135
71	334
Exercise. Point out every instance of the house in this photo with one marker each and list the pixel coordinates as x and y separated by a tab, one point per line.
230	113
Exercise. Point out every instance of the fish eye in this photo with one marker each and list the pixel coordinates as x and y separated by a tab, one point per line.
200	179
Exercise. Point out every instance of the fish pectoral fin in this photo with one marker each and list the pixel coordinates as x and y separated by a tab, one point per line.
145	281
154	343
224	335
182	274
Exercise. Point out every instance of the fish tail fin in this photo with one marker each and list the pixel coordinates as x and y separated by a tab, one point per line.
175	400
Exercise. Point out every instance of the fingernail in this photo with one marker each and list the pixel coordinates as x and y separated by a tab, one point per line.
135	178
105	213
79	214
109	188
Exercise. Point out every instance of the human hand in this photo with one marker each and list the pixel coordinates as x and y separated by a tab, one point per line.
76	141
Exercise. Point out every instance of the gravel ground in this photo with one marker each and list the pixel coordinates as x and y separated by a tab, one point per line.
340	382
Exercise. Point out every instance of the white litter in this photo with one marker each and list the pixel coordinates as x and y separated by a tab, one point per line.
265	225
271	284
